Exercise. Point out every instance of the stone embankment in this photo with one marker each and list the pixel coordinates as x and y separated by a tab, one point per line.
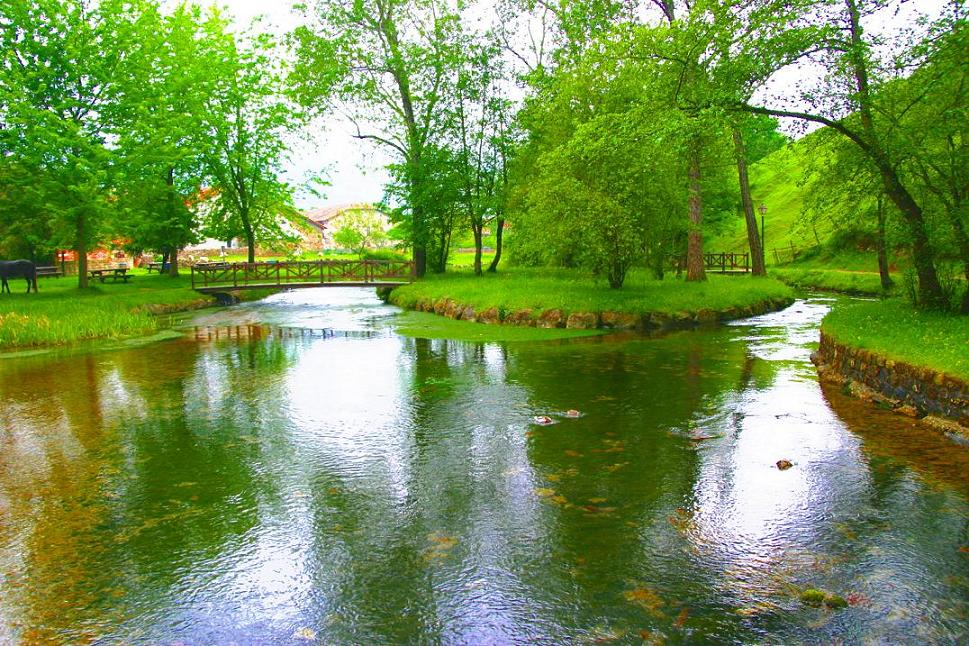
558	318
939	399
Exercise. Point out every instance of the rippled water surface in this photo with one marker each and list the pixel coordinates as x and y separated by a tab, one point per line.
293	471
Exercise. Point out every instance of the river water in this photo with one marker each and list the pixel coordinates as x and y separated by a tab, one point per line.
294	472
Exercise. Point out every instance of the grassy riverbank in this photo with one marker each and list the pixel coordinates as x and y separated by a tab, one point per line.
893	329
61	314
544	289
858	283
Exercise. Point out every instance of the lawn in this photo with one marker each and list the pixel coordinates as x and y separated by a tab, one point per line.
61	314
573	291
894	329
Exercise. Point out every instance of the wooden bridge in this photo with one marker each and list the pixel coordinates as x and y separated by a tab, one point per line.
721	262
221	277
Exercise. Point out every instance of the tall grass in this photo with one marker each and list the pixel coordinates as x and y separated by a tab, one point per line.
61	314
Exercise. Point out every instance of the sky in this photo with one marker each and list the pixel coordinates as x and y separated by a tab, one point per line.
354	168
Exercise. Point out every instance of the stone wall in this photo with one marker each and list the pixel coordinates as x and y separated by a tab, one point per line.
557	318
917	392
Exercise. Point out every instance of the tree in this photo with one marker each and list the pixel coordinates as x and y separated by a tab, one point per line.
59	67
391	63
248	118
479	117
360	229
171	77
846	102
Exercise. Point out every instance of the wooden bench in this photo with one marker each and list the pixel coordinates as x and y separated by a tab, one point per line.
49	272
113	274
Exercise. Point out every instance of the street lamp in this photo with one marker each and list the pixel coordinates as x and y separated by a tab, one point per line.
763	245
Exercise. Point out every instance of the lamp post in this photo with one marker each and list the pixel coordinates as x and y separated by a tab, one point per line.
763	245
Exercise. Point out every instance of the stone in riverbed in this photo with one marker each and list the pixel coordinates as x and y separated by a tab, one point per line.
452	310
582	321
490	316
520	317
620	320
550	319
705	316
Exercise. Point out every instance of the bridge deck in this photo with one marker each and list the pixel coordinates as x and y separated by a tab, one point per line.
222	277
215	289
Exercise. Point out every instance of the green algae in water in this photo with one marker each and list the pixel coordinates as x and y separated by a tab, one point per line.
423	325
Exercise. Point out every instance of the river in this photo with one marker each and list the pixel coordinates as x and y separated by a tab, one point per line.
293	471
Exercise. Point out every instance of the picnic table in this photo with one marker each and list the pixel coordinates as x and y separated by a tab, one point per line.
49	272
156	265
113	274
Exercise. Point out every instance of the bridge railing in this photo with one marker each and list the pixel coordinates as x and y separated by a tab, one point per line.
727	262
304	273
724	262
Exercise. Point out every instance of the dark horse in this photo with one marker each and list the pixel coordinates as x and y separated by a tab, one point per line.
17	269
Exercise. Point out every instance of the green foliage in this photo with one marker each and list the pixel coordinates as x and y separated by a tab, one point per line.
393	62
360	229
431	326
894	329
248	123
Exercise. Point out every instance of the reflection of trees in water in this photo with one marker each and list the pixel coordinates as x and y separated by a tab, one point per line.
620	455
451	515
134	473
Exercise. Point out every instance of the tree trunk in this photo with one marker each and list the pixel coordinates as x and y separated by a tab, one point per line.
500	224
250	239
753	235
419	253
173	262
882	245
962	239
923	257
170	180
694	247
476	228
80	250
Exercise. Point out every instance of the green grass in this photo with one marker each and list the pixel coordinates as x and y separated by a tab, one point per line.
431	326
61	314
835	280
892	328
464	259
572	291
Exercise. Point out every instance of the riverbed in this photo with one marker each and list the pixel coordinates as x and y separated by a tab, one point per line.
296	471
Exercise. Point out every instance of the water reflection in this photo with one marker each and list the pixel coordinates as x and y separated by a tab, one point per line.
292	470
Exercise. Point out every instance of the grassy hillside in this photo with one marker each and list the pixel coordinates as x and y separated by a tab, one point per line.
801	251
775	181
